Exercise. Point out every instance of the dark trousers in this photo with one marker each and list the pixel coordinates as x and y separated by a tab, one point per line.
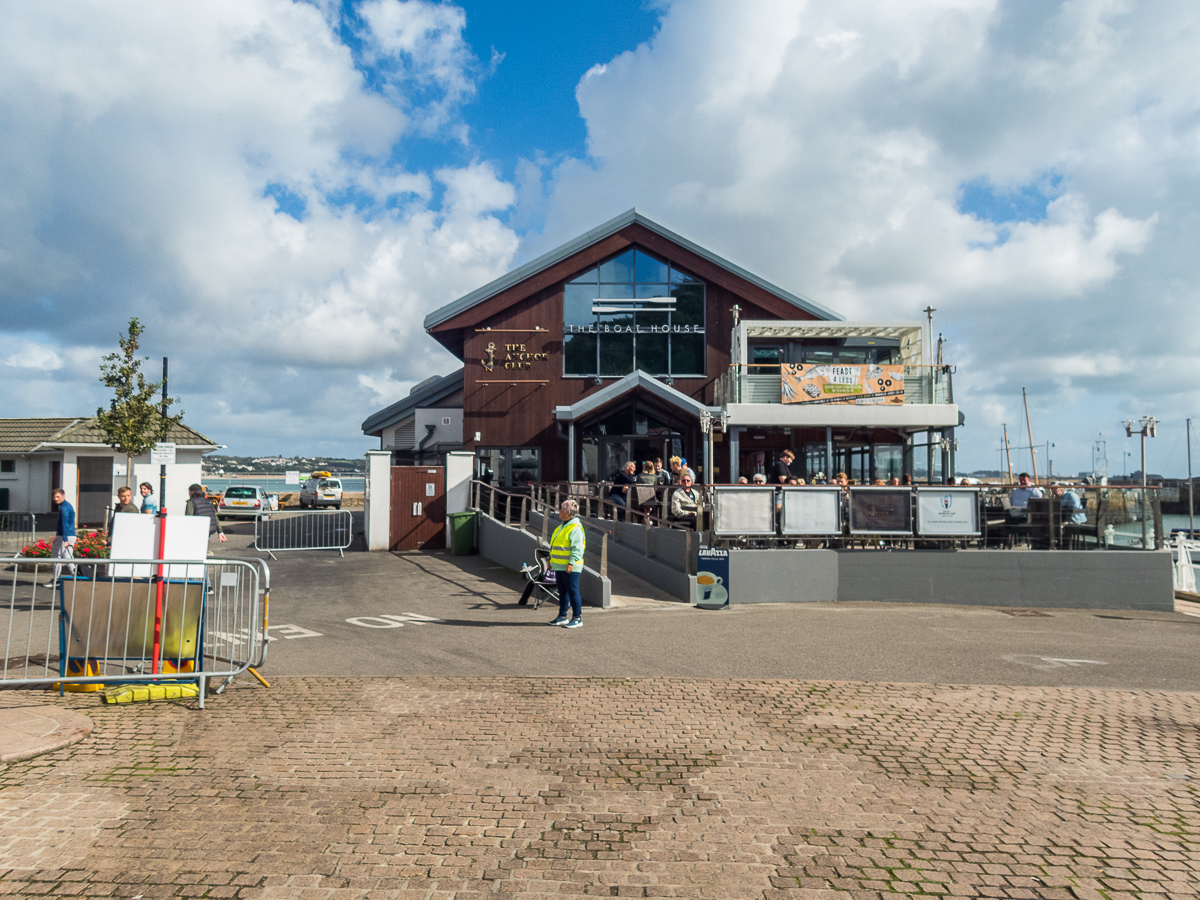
568	594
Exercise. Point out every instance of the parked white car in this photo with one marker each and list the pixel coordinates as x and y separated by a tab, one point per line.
246	500
321	490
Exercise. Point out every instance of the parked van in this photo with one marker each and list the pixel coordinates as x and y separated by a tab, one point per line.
321	490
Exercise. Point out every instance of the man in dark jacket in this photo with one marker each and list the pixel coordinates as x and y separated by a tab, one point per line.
199	505
64	537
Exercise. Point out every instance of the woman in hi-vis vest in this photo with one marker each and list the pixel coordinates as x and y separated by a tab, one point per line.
566	559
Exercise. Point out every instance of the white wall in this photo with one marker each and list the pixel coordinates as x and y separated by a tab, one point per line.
442	434
378	514
186	471
460	466
29	486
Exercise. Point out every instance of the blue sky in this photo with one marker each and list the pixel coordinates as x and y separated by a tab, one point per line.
281	191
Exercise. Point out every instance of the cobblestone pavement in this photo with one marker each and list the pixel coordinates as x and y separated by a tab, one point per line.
651	787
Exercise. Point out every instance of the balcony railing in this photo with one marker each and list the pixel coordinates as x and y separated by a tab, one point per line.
751	384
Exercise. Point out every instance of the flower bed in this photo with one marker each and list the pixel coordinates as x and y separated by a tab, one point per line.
88	545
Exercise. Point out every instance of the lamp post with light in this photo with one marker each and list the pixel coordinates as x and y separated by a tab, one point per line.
1149	429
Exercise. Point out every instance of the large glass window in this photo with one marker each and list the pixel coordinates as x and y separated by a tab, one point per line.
508	467
634	312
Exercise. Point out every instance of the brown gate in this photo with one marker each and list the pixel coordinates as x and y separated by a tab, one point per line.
418	507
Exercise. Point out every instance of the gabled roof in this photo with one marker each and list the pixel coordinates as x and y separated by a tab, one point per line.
612	226
28	435
433	393
22	435
634	380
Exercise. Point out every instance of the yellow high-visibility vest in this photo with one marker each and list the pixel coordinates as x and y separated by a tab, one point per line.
560	542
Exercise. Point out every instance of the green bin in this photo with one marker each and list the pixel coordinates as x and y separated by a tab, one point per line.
462	533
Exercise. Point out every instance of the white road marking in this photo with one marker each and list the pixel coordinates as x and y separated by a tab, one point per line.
392	621
292	631
1049	662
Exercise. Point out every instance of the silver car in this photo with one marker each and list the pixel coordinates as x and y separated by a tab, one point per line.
244	500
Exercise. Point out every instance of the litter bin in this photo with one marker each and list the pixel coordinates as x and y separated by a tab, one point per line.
462	533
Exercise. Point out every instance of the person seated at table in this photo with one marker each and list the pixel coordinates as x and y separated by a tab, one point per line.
893	481
664	477
743	480
1072	506
782	470
618	493
759	478
685	502
647	475
841	480
906	480
1024	492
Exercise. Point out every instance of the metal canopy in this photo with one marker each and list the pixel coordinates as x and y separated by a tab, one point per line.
893	330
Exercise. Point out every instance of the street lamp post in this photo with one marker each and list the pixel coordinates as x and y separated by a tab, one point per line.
1149	428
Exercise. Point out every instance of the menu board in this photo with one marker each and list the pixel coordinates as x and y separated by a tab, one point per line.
880	510
947	511
812	510
863	384
743	510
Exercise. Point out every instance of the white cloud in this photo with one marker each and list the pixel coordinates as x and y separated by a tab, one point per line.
141	153
827	146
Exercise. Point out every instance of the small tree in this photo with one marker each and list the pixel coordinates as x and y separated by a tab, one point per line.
134	421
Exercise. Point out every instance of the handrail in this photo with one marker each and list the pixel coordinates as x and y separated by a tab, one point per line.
540	493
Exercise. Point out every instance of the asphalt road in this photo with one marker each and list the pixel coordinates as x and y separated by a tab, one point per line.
392	614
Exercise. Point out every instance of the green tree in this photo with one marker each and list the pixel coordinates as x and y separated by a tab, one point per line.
134	421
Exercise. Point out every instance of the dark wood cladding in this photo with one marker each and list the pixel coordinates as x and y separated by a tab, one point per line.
514	412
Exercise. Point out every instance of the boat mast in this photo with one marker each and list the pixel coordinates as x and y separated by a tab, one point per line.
1191	516
1008	453
1029	426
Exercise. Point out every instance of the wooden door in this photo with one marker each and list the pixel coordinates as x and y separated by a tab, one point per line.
418	507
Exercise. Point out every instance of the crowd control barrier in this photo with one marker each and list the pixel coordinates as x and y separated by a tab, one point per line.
17	531
109	622
331	529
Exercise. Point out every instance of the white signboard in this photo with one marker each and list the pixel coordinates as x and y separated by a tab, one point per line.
135	536
291	477
816	510
947	511
744	510
163	454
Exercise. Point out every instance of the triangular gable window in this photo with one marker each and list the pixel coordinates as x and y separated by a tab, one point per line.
634	311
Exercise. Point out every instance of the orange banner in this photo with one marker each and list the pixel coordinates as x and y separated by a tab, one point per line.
864	384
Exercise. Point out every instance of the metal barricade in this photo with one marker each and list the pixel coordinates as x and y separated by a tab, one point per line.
17	531
331	529
99	625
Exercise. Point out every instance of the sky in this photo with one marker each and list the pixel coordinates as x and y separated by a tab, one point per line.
281	191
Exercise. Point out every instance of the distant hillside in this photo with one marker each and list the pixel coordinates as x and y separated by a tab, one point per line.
217	464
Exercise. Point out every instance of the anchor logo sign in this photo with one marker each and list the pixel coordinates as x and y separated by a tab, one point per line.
489	358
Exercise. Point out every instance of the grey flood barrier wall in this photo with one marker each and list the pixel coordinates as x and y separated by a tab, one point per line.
1063	578
658	556
513	548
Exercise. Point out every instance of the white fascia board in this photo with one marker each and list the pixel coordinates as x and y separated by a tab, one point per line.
908	415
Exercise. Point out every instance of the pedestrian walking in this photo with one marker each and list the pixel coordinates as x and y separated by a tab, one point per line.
199	505
566	559
148	504
63	546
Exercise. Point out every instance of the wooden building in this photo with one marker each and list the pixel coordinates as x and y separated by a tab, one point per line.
634	343
603	350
